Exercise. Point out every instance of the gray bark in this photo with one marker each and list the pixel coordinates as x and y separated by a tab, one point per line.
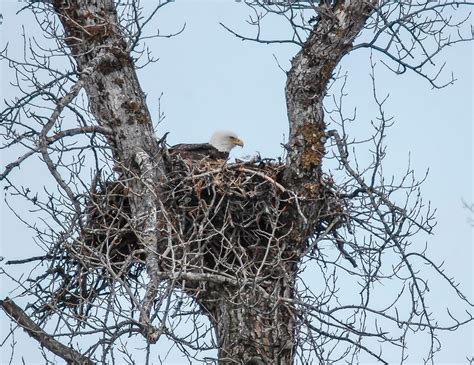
254	325
312	68
117	102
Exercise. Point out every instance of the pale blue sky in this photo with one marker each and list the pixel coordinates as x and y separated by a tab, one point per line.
211	80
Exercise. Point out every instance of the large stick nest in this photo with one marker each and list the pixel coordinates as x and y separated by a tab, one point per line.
210	210
232	219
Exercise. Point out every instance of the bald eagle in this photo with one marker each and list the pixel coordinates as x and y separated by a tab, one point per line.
219	146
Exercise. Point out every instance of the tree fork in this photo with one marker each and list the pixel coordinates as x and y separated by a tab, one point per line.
251	328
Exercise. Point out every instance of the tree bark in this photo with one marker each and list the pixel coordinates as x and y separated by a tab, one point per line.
254	324
332	37
116	100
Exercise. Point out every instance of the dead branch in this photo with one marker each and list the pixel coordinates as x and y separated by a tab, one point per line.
21	318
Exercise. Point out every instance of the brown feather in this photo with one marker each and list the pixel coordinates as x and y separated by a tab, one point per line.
198	151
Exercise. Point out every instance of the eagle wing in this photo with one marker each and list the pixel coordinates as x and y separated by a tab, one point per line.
198	151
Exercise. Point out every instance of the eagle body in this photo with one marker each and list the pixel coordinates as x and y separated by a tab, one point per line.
218	147
198	151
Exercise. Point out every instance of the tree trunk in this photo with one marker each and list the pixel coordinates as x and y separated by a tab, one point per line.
312	68
331	38
254	324
92	33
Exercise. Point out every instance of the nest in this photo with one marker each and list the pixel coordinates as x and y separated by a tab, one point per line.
232	219
215	215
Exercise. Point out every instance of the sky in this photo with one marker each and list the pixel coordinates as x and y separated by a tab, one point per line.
211	80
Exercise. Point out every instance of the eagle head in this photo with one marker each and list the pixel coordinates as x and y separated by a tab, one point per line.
224	141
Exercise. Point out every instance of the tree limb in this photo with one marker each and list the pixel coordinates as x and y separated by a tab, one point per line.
70	355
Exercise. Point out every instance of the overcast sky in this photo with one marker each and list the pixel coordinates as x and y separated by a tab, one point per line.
211	80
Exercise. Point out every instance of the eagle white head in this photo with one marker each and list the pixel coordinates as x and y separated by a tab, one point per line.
224	141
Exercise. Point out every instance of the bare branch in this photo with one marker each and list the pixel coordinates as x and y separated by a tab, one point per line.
21	318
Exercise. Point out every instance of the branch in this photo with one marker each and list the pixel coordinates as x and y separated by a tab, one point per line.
264	41
43	141
312	69
70	355
50	140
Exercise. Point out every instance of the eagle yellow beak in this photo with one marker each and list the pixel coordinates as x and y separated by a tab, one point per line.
237	142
